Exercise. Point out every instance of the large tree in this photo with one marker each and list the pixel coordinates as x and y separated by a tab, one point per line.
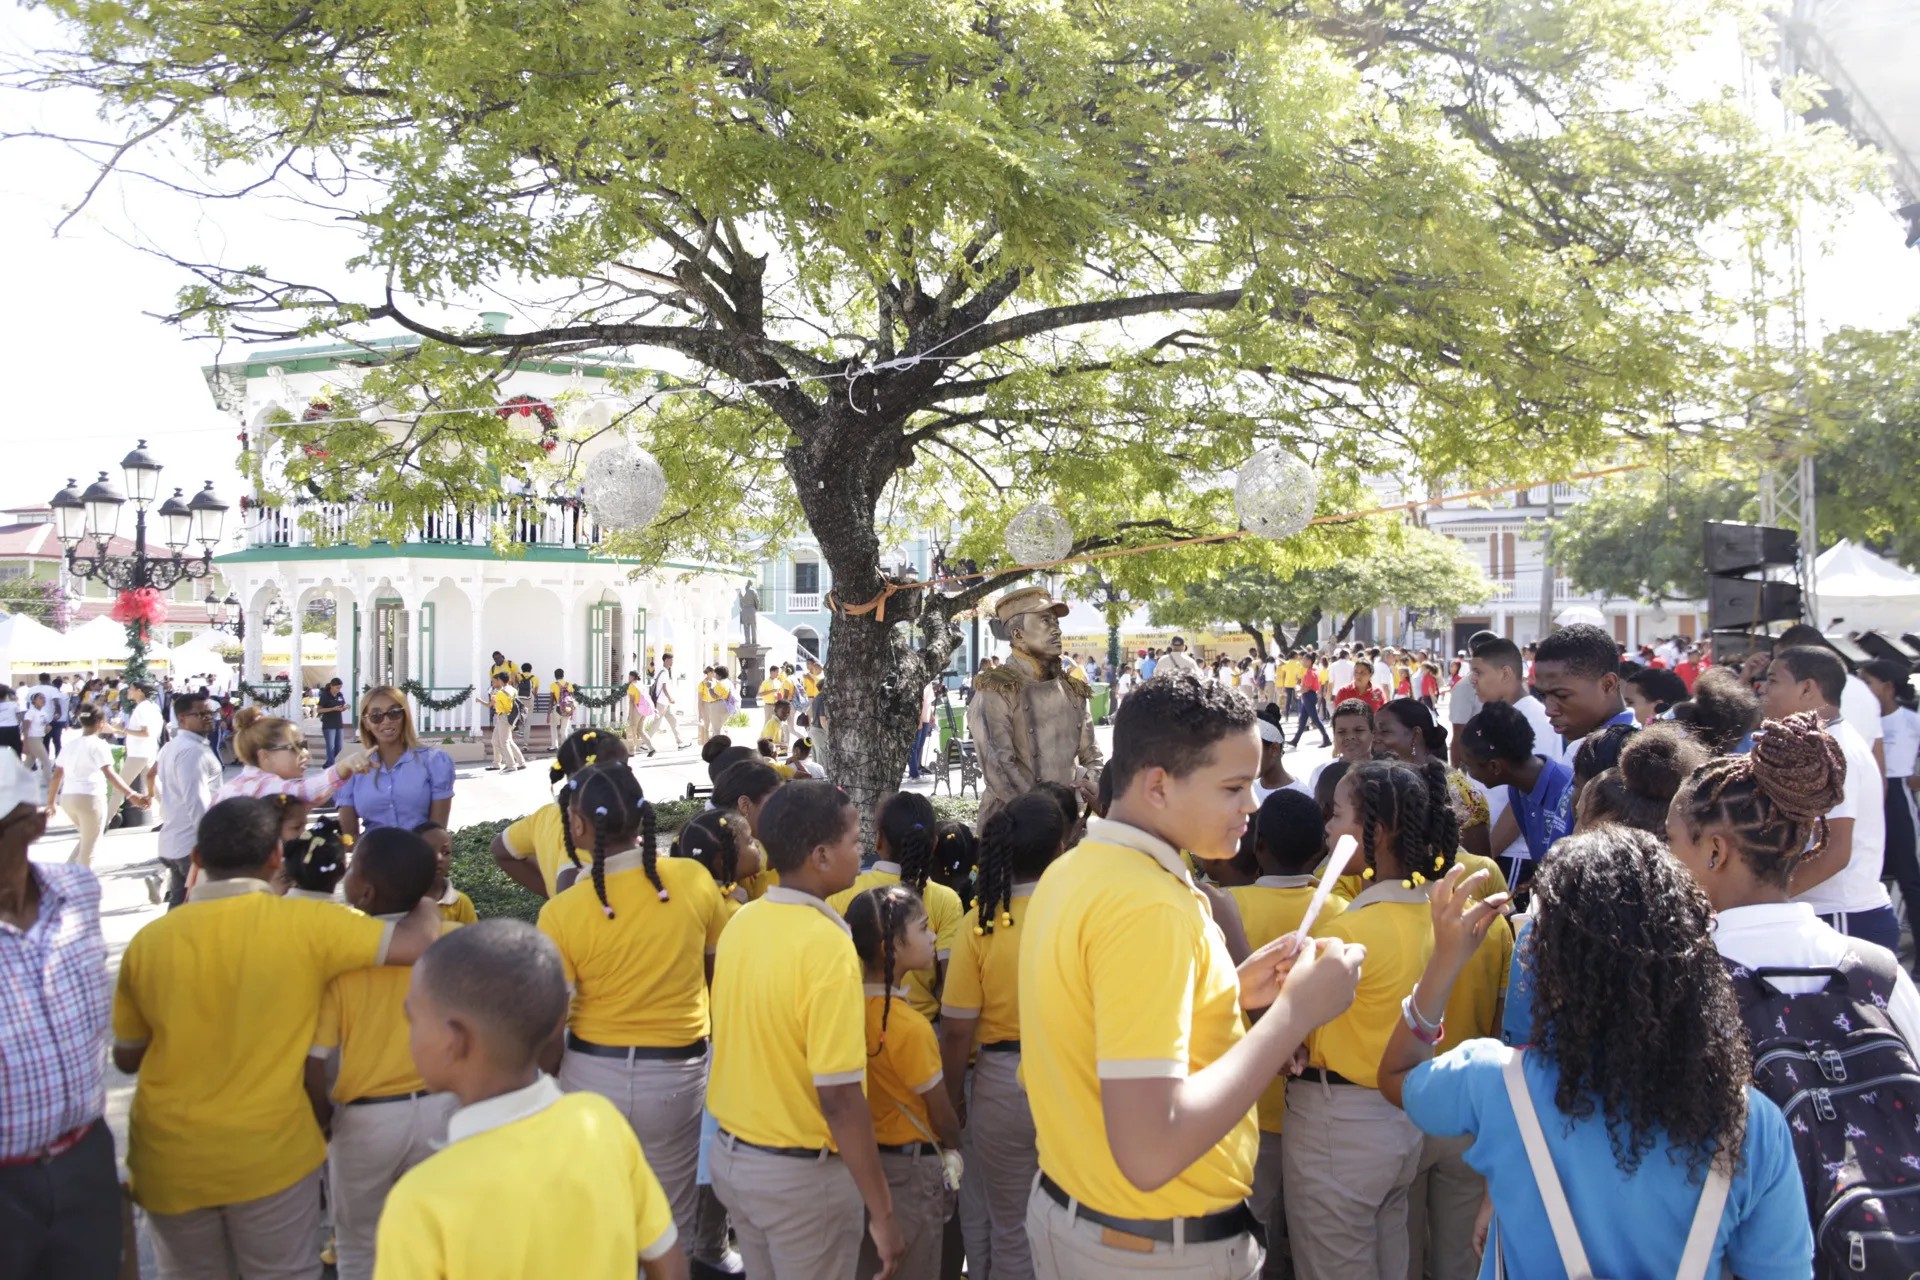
920	262
1639	537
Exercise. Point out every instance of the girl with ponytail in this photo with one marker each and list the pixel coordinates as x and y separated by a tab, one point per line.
720	842
905	828
534	851
636	935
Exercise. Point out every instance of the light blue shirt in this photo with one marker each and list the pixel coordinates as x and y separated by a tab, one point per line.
1632	1224
400	796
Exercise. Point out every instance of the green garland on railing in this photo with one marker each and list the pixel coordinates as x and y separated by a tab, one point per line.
599	703
418	692
265	698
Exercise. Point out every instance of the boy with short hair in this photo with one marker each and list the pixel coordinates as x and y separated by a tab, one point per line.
455	906
502	703
385	1121
532	1181
1498	673
215	1010
1142	1077
1577	670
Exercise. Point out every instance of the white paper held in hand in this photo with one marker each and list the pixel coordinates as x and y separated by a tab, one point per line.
1342	854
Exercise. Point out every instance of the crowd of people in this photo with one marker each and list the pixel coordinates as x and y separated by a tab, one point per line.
1573	969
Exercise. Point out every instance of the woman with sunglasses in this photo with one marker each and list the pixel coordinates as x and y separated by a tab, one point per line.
407	784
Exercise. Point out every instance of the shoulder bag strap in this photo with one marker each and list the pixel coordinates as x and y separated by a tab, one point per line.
1706	1225
1573	1255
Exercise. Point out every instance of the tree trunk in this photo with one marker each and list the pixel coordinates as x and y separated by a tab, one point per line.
1282	645
1259	640
1347	626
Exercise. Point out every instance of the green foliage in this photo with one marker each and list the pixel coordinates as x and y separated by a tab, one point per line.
494	893
1867	387
1639	536
41	599
956	809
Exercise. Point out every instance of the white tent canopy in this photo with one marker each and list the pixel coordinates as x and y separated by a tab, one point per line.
200	655
25	640
1860	591
102	641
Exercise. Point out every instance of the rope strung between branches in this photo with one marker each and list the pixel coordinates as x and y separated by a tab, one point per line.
878	605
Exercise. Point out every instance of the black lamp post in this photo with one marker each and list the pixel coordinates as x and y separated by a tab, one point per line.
227	615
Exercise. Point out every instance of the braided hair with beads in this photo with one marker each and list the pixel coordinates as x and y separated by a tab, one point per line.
906	822
1395	797
610	800
1016	844
712	840
582	749
877	918
1774	800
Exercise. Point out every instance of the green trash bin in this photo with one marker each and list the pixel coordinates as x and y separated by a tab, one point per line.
1101	693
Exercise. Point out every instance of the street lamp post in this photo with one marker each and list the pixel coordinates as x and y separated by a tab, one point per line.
227	615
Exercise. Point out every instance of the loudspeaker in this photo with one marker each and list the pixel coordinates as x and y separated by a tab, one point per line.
1736	548
1746	602
1733	644
1886	646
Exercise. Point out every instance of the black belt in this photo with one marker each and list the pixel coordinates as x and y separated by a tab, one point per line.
638	1052
797	1153
1318	1074
906	1149
1001	1046
1224	1225
391	1097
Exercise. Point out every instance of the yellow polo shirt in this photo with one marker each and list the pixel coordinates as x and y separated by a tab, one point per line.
809	685
1269	908
225	992
1290	672
558	687
639	978
718	692
531	1183
541	835
502	701
1473	1010
983	975
789	1018
945	911
1124	975
902	1068
457	908
1395	925
506	669
1351	887
363	1014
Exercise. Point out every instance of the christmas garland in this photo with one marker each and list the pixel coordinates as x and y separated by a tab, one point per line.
263	697
418	692
613	696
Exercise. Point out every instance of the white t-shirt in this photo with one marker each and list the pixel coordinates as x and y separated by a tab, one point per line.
1859	708
1789	935
1383	676
1463	701
1341	673
9	715
145	715
1856	886
1261	793
83	760
1545	741
38	720
1901	741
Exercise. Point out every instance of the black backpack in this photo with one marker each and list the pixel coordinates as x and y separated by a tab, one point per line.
1849	1088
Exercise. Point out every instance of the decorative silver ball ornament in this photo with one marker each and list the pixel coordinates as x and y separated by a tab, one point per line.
1038	534
1275	494
623	487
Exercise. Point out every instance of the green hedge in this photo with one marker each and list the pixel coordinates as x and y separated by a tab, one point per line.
495	894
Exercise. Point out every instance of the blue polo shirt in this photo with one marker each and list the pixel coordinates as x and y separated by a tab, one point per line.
1764	1231
1546	812
400	796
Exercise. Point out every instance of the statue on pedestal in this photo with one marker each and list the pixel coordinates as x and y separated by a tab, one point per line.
749	614
1030	721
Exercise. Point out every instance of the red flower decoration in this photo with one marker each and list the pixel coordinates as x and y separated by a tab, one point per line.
314	451
316	410
142	604
530	406
549	444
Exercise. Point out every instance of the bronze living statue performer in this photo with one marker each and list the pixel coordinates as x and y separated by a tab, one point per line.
1031	722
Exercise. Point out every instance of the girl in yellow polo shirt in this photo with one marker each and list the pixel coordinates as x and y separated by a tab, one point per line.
741	790
533	850
636	936
910	1110
980	1007
720	842
904	830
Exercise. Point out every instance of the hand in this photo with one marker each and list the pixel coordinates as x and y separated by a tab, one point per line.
888	1243
1265	971
1322	981
140	802
1300	1061
1459	922
354	760
1481	1222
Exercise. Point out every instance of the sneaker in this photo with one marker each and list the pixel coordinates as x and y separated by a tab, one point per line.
153	889
493	768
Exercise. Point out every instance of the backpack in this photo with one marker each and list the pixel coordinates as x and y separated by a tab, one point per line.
563	705
1848	1086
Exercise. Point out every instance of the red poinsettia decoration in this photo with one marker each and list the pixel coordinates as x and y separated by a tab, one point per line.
314	451
530	407
316	410
142	608
549	444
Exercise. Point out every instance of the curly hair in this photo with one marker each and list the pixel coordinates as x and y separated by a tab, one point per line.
1498	731
1773	801
1412	805
1600	751
1637	790
1017	842
1632	1002
955	851
1173	723
1722	710
1588	652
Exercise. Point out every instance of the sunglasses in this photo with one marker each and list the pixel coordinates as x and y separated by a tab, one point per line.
391	713
286	746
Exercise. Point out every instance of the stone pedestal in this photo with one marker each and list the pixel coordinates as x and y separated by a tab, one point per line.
750	671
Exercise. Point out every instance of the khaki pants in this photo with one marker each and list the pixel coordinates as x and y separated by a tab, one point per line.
1441	1207
506	752
133	771
921	1207
273	1238
1268	1203
637	727
663	1101
976	1222
1005	1160
663	715
89	817
559	727
794	1219
713	720
1066	1247
1349	1156
372	1145
35	749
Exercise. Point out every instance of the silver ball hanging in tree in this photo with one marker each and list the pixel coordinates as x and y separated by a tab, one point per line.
1275	494
623	487
1038	534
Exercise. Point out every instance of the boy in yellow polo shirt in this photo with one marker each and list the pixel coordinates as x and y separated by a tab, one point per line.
506	752
796	1157
215	1010
532	1181
1141	1074
384	1121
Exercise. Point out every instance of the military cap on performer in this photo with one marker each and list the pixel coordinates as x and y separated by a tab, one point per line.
1027	600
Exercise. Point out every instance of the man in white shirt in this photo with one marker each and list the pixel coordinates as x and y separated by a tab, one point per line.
1858	706
1383	672
1841	884
1496	673
1177	661
189	775
141	733
1340	674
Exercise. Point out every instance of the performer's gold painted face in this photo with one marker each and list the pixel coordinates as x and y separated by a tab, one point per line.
1037	634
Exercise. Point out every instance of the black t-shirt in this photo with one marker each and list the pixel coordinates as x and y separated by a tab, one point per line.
331	706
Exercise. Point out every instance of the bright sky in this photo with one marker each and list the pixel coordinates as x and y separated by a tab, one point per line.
93	370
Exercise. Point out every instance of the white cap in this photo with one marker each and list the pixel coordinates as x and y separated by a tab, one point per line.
1271	732
18	785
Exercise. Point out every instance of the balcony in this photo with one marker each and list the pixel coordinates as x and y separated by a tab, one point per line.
530	523
1524	592
803	602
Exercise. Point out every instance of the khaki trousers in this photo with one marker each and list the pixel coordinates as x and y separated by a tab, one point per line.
1441	1206
794	1219
713	720
637	727
506	752
273	1238
921	1207
89	817
372	1145
976	1223
559	728
1005	1160
663	715
1348	1157
1268	1203
662	1100
1065	1247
